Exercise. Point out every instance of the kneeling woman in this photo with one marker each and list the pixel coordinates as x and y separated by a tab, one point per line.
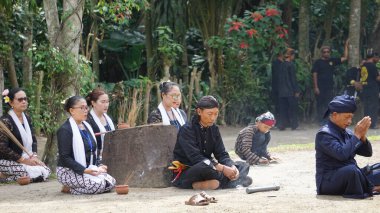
77	169
196	142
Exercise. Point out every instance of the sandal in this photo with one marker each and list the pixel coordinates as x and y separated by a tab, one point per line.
208	197
197	200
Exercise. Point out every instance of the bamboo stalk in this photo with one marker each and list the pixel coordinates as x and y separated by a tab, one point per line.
7	132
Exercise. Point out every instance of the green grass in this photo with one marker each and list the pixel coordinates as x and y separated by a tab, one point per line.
374	138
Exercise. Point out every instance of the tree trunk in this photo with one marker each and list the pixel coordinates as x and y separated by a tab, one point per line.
72	27
149	42
12	69
27	57
37	111
331	8
354	35
287	17
375	34
1	84
52	20
303	31
95	47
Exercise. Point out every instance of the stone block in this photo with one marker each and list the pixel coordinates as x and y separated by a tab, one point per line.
146	151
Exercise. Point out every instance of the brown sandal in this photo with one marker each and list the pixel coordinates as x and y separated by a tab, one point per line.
208	197
197	200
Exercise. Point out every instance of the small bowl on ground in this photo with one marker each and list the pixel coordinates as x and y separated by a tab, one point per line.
122	189
23	180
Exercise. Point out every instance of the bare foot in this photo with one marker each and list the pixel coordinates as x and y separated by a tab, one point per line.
65	189
376	189
206	185
3	175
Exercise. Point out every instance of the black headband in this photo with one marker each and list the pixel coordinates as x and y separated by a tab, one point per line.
207	102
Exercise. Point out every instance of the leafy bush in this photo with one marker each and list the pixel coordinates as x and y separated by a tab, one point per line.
251	42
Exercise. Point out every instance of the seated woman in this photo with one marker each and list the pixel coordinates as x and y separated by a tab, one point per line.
98	118
168	112
14	162
251	143
196	143
77	168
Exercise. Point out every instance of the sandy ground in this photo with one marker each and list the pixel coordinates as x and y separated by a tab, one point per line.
295	175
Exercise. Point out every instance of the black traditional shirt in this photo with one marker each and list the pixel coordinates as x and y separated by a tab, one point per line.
196	143
8	149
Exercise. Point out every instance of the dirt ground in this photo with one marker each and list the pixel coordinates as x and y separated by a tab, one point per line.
294	174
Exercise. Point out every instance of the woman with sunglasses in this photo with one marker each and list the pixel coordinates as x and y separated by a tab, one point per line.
168	112
14	162
78	170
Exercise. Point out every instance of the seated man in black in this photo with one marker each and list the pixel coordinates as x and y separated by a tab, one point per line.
196	143
337	172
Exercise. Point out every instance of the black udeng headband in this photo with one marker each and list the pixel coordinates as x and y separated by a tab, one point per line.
207	102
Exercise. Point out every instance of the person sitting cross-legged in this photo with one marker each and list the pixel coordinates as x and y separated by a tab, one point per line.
196	142
337	172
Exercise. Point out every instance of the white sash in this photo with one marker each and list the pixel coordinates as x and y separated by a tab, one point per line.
179	117
100	125
78	146
165	117
26	133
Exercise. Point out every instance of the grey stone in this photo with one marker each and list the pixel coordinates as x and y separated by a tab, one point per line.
146	151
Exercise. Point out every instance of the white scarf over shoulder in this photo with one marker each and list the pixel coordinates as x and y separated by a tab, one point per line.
78	146
165	117
100	125
26	133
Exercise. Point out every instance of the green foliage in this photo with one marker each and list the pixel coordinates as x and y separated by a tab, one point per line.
167	47
118	12
128	46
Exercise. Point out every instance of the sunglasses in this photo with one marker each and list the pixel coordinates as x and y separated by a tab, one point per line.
22	99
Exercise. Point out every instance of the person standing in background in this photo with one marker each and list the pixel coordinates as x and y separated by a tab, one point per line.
323	79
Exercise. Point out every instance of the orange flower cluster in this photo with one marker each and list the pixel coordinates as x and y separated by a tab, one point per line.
282	32
252	32
256	16
272	12
243	45
236	26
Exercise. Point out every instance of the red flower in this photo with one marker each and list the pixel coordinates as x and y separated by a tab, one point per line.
256	16
243	45
251	32
282	35
235	26
272	12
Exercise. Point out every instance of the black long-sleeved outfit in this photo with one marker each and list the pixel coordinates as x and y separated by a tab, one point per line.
194	147
65	149
288	103
8	149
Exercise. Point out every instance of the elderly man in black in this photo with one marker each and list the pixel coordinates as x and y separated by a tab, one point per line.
337	172
196	143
